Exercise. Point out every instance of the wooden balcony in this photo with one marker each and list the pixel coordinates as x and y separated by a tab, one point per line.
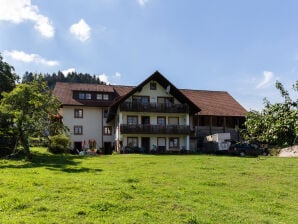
154	107
154	129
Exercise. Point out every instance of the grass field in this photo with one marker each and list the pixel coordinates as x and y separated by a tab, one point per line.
148	189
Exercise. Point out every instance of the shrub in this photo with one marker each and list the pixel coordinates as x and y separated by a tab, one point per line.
38	142
59	144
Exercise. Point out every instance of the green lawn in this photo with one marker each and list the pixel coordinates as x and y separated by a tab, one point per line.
148	189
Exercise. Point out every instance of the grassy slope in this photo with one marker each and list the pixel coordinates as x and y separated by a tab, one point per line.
148	189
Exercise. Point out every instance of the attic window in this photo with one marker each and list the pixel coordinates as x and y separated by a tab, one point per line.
88	96
84	96
152	86
102	96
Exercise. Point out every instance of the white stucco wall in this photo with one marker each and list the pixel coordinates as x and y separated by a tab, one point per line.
92	123
159	92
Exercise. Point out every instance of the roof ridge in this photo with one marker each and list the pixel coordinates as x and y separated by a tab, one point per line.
204	90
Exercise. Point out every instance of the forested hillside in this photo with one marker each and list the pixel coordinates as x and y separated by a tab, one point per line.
51	79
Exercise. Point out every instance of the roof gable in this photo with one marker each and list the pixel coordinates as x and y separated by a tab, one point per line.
166	84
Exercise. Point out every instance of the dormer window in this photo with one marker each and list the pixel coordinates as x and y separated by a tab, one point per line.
81	96
88	96
99	96
102	96
84	96
105	96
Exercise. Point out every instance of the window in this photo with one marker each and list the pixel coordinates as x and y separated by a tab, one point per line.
107	130
161	144
105	113
99	96
102	96
132	120
140	99
165	100
105	96
84	96
88	96
132	141
161	141
152	86
78	129
173	142
81	96
161	120
173	121
78	113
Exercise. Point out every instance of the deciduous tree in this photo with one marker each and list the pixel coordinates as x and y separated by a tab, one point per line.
277	123
31	106
7	77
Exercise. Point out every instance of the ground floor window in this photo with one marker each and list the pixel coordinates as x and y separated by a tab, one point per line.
132	141
161	144
78	129
161	141
173	142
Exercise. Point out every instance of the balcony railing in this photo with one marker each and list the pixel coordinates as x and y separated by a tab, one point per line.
154	129
154	107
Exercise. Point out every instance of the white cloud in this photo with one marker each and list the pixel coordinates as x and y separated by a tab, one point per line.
67	71
266	81
17	11
29	58
104	78
114	79
81	30
142	2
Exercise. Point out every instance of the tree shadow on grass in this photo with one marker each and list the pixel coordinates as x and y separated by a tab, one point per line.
55	162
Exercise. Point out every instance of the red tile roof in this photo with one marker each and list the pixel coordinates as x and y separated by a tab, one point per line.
64	92
216	103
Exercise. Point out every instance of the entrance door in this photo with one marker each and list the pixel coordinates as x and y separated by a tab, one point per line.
78	146
145	120
107	148
146	144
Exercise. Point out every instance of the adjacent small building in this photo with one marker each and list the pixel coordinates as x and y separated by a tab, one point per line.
153	116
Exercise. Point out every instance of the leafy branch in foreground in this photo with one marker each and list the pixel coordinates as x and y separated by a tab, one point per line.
277	123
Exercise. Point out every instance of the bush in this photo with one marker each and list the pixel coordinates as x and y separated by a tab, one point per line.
38	142
59	144
274	151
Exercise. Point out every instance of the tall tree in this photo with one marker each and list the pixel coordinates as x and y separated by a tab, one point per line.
277	123
7	77
31	105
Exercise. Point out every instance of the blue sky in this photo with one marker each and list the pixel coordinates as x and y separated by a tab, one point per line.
241	47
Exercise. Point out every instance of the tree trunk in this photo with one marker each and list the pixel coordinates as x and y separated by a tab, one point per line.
25	144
